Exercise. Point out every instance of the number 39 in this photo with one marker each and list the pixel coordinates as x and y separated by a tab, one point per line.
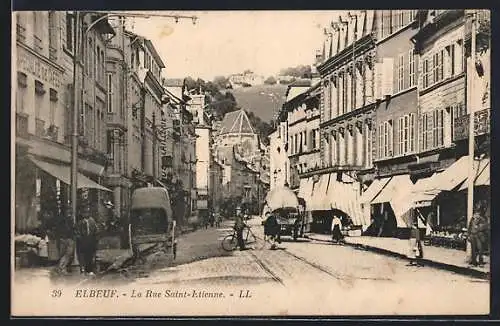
56	293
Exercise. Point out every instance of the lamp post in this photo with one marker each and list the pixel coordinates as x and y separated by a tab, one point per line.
471	96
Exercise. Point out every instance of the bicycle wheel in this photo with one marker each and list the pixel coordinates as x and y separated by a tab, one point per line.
229	243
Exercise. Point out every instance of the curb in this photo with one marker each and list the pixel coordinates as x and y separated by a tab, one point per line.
427	262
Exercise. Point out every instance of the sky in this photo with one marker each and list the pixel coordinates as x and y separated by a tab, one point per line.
227	42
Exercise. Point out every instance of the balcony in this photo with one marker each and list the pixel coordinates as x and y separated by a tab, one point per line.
52	53
37	44
20	33
39	127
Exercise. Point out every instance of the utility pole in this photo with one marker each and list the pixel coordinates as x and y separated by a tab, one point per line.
74	135
471	96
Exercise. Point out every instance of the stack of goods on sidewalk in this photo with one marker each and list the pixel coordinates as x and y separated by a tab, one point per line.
449	237
30	250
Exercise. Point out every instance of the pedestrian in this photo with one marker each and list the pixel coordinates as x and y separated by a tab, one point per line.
218	219
478	234
416	249
87	242
272	229
336	229
212	219
65	231
239	226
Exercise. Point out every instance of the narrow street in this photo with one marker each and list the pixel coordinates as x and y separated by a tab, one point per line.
304	277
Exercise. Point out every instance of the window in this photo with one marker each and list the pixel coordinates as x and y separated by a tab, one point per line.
411	69
425	74
385	134
406	134
98	64
450	60
53	106
90	56
70	36
401	73
37	30
438	68
21	91
103	65
109	88
438	128
305	139
53	35
433	129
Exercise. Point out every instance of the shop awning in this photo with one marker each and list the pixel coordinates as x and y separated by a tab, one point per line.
319	200
453	176
346	198
418	195
397	185
63	173
305	190
373	190
482	170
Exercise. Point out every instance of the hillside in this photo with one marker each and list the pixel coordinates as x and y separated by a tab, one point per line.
257	99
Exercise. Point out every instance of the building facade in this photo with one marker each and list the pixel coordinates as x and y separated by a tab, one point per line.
180	169
45	45
302	118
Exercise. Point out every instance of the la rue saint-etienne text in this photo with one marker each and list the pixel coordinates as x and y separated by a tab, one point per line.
148	293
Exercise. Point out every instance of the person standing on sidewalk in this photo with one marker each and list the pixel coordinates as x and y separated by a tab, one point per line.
87	242
416	250
478	234
239	225
336	229
65	231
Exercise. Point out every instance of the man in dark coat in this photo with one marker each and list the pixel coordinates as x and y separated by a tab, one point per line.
87	242
478	234
239	225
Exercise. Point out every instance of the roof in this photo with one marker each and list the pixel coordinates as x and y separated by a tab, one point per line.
155	54
173	82
295	91
236	122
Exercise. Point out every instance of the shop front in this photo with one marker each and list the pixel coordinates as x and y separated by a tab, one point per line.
42	202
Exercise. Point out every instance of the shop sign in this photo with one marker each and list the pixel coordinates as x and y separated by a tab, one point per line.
481	125
29	63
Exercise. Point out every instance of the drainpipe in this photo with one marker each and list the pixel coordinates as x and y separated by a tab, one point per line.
154	148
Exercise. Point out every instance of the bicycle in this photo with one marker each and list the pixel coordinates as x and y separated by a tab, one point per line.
230	241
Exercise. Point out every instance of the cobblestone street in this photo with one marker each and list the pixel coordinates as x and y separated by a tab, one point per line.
298	278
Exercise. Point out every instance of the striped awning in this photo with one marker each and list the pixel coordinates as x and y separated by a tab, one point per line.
345	196
305	190
319	200
373	190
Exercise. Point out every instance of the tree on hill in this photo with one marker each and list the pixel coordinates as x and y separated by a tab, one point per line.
302	71
270	80
221	82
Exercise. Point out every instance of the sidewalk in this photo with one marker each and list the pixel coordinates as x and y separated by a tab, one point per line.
437	257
